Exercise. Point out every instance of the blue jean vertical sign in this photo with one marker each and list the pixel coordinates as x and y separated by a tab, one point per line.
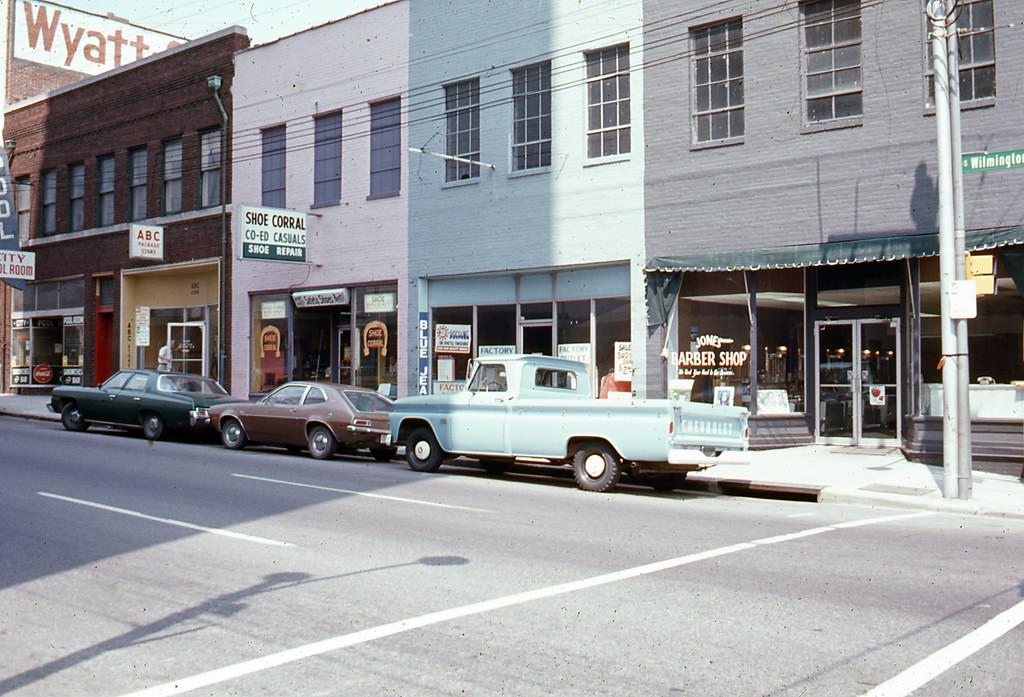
423	352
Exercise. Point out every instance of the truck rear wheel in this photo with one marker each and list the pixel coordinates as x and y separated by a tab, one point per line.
596	467
422	451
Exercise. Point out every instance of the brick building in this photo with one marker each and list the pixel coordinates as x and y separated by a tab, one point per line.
136	154
792	225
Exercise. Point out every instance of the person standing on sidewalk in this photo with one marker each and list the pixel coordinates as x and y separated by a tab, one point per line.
163	358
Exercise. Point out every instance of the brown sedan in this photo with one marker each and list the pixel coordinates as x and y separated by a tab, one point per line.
317	416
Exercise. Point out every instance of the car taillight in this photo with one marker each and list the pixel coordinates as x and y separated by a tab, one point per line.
671	427
361	422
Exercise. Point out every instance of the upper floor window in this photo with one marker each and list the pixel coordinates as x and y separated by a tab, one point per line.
832	60
105	191
327	160
76	194
462	130
531	116
386	148
49	198
137	179
608	118
718	81
23	200
976	32
273	167
172	176
209	167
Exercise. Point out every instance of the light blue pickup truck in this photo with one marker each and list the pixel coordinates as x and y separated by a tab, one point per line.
538	409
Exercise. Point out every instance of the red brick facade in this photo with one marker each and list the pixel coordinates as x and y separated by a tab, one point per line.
141	105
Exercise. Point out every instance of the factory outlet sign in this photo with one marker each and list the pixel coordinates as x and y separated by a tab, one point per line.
84	42
271	234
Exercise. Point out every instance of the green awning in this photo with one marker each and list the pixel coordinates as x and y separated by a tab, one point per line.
832	253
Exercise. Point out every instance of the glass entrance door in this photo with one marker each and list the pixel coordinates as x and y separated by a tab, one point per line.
858	382
189	353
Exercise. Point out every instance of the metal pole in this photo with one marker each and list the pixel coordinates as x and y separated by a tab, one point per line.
214	83
936	10
964	458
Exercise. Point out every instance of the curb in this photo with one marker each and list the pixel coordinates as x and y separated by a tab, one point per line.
940	505
31	415
755	489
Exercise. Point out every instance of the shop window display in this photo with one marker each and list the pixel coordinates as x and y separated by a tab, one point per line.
496	330
780	341
377	330
613	350
452	333
270	340
995	345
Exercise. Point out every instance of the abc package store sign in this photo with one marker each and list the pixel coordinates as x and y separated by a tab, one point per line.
62	37
271	234
146	242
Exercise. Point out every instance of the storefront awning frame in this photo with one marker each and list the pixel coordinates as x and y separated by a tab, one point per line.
833	253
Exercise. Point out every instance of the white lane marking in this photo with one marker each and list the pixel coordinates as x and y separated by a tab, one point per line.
168	521
213	677
362	493
942	660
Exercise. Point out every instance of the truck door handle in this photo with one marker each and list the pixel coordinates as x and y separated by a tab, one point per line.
112	396
136	399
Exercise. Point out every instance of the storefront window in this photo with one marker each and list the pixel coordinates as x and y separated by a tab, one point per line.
613	351
995	345
36	346
496	330
712	361
269	341
377	327
780	339
71	362
453	340
574	331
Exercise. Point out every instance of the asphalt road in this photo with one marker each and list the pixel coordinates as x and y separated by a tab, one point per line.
137	568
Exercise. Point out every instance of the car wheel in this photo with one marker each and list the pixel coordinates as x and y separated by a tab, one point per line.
596	467
152	426
384	454
422	451
322	444
232	435
71	417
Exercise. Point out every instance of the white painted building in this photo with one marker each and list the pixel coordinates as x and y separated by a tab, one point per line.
319	131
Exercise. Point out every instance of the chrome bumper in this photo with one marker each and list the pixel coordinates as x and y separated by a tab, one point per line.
691	456
383	434
200	416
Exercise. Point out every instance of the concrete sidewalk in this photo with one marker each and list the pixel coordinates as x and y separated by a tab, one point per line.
868	476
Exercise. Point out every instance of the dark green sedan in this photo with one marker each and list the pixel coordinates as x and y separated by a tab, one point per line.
146	399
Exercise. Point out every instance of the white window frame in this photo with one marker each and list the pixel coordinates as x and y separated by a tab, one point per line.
834	48
462	130
609	119
531	117
707	50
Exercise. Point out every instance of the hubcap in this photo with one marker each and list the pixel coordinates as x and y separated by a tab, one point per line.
421	450
320	441
594	465
232	433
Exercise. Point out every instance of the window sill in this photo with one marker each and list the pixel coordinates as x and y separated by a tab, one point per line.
329	204
168	219
378	197
532	172
986	103
833	125
607	160
723	143
473	181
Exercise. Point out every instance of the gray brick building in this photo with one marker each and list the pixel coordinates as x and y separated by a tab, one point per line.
791	197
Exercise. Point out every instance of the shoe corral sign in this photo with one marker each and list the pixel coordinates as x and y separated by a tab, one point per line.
16	266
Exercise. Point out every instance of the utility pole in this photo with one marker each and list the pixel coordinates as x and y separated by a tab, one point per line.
964	458
937	12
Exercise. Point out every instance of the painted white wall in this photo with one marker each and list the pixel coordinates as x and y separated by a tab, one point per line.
344	65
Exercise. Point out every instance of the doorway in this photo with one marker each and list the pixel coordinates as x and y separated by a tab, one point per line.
858	377
189	355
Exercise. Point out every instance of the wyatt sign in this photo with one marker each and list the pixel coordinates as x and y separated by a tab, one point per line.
62	37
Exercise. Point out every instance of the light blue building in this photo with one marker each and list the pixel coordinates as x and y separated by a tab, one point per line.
526	175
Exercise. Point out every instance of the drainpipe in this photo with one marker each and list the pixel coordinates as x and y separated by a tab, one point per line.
214	83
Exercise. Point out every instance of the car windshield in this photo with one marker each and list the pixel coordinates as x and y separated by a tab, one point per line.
368	401
189	383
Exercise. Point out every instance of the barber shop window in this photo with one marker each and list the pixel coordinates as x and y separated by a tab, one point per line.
711	363
780	339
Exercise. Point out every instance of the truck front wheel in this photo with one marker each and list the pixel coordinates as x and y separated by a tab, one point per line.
422	451
596	467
